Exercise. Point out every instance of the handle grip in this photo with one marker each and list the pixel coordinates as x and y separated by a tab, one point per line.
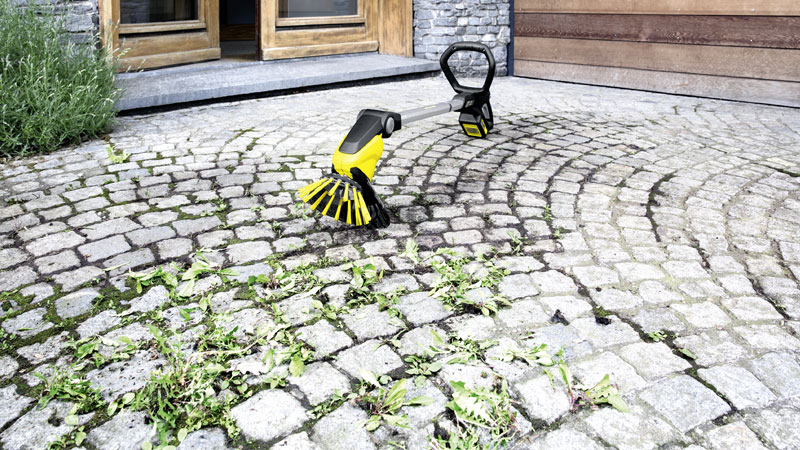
472	47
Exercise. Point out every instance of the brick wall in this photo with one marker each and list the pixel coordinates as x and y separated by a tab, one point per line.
439	23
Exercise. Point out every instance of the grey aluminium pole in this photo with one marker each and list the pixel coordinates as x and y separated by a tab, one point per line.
413	115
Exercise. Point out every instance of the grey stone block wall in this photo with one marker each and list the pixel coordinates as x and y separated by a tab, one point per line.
439	23
80	17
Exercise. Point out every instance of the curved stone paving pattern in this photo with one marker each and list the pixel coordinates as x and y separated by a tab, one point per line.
659	213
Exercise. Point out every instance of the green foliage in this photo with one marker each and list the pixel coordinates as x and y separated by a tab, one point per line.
326	310
193	391
461	438
455	280
485	408
285	283
537	356
605	392
70	387
6	339
285	348
517	243
70	440
200	267
579	396
422	367
52	91
88	350
457	350
364	277
411	251
384	404
548	214
155	276
116	157
657	336
329	405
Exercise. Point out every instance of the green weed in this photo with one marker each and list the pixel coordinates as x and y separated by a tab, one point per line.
193	391
422	367
534	357
116	157
384	404
68	386
458	350
455	280
489	409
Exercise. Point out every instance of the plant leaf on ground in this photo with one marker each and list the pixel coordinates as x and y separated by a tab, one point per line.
69	386
459	275
536	356
193	390
487	409
385	404
116	157
422	367
458	350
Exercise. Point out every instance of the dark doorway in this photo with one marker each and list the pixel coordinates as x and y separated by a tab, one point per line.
237	20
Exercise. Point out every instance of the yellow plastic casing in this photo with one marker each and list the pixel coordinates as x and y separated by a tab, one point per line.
366	158
473	129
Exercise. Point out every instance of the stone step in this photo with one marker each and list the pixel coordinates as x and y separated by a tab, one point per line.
221	79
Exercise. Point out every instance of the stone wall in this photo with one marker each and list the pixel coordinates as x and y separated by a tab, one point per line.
80	17
439	23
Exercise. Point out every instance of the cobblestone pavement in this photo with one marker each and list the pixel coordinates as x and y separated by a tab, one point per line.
654	238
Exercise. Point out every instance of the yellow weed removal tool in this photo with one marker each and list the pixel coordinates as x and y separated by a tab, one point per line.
346	194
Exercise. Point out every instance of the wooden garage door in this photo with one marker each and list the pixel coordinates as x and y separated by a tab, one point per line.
733	49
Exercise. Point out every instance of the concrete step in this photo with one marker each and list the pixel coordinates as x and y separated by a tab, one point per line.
220	79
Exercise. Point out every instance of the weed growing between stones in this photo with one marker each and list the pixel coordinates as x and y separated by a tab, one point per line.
6	339
384	404
116	157
155	276
208	374
458	350
69	386
657	336
518	243
70	440
87	350
487	409
422	367
537	356
195	390
459	275
360	294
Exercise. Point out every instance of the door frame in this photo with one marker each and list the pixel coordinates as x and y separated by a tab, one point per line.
158	44
385	25
299	37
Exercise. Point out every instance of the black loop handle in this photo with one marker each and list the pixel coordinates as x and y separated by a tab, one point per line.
472	47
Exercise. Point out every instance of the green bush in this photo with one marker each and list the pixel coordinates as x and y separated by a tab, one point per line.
53	91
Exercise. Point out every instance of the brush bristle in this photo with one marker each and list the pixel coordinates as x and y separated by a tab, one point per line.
338	197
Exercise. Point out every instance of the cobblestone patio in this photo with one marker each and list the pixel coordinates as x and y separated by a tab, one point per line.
654	238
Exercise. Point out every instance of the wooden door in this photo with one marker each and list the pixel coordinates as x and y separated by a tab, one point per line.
733	49
298	28
157	33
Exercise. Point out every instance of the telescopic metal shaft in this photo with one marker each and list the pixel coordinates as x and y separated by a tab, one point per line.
413	115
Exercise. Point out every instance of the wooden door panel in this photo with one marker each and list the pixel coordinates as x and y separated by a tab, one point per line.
158	44
295	37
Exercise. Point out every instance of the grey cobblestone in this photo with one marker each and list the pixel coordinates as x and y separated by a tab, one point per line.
260	420
632	213
102	249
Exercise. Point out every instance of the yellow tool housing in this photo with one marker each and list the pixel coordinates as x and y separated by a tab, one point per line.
364	159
